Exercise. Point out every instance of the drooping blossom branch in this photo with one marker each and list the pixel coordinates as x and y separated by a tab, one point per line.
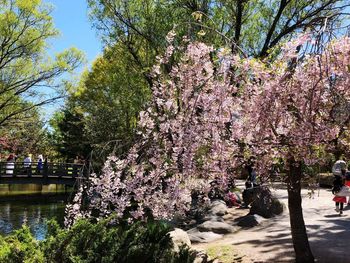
184	136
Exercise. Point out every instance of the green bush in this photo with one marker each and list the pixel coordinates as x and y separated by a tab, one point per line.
20	247
87	242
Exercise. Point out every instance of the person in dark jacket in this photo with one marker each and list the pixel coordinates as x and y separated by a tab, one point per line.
40	164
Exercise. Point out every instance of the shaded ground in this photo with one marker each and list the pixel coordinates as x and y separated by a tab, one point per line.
329	233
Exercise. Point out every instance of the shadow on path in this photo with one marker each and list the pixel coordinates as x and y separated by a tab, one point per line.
329	233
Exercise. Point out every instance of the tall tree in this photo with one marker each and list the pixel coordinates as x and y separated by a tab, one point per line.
25	68
106	102
111	95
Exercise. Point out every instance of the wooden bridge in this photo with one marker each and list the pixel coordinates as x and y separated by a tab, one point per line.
49	173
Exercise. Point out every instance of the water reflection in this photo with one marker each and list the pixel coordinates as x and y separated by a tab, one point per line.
31	189
32	210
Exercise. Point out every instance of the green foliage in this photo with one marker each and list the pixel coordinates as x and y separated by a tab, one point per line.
102	110
26	27
103	242
255	25
68	134
201	154
111	96
20	247
26	134
88	242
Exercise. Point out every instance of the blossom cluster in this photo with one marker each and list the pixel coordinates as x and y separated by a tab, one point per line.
291	111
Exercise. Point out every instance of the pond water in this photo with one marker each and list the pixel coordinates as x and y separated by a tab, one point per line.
31	205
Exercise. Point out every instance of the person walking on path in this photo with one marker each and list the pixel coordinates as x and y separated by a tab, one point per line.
10	164
40	163
252	175
347	181
340	191
27	164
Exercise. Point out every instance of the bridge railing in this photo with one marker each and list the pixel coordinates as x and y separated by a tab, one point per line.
21	169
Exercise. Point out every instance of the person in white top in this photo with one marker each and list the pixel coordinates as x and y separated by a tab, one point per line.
27	164
10	164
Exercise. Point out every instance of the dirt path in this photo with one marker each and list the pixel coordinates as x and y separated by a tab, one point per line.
329	233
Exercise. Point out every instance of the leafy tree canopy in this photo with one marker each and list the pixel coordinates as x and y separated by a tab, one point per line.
26	70
256	26
106	103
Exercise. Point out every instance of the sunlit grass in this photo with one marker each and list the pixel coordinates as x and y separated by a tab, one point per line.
225	254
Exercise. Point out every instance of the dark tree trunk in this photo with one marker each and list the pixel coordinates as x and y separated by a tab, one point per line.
300	240
338	152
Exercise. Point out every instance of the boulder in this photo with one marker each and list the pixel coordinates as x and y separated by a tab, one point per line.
179	237
201	256
250	221
218	207
262	202
197	236
214	218
216	227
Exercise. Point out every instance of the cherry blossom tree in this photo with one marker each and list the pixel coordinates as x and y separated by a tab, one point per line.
289	112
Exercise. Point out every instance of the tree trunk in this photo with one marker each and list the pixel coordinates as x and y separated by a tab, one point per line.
338	151
300	240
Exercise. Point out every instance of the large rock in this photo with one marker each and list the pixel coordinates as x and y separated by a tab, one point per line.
216	227
250	221
197	236
218	207
214	218
201	256
179	237
262	202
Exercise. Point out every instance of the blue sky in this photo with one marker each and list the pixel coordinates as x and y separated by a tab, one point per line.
70	18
